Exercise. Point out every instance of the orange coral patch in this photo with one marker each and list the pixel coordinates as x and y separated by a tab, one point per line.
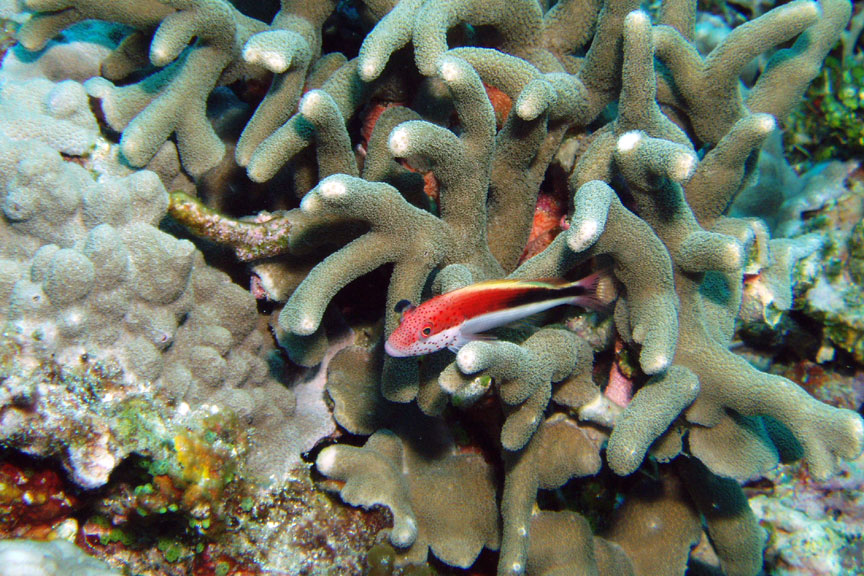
549	216
370	116
501	103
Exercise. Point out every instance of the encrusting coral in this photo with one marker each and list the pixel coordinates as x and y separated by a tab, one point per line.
670	139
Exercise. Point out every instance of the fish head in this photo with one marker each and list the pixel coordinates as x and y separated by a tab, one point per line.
418	333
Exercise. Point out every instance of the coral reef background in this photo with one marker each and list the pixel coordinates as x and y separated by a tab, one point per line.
211	209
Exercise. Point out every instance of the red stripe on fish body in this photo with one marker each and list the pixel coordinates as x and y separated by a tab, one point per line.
492	296
452	319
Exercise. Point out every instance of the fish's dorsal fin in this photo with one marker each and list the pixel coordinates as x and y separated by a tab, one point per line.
403	306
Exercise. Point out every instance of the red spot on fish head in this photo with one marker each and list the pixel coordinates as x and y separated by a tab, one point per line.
417	327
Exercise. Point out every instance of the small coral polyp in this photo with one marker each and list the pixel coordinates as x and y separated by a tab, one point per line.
670	139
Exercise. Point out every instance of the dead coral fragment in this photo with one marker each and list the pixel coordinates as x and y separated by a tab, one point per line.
267	236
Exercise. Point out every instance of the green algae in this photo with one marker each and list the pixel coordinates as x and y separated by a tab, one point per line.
828	126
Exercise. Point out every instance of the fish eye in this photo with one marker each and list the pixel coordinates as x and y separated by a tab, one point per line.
426	331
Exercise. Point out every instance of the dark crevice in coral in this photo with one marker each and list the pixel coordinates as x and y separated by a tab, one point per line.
263	10
343	31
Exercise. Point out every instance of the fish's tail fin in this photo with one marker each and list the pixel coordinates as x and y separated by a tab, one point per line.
596	291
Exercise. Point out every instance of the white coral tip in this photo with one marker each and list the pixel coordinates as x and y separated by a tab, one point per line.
527	109
683	167
399	141
628	141
733	254
332	188
858	429
657	365
273	60
637	17
158	56
404	533
310	102
810	8
326	461
307	325
467	360
450	71
369	69
310	203
580	236
767	123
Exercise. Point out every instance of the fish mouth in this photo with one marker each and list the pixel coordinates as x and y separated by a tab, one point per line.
393	350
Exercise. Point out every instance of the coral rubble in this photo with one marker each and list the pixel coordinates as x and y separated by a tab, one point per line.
469	114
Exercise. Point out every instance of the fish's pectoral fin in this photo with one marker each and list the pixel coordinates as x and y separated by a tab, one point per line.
466	338
478	337
482	338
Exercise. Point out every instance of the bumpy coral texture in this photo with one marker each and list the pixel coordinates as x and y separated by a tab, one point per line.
88	280
669	140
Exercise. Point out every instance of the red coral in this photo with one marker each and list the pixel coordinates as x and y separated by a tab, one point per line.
370	116
209	563
619	387
32	501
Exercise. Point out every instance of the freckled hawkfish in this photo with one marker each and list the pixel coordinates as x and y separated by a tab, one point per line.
453	319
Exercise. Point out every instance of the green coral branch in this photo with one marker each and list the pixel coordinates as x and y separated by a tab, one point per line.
558	451
523	376
440	499
287	50
709	88
782	84
195	43
567	26
52	17
652	410
318	120
601	225
723	172
380	166
398	233
370	473
425	24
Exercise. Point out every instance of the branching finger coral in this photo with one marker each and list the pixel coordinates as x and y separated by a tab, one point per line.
172	100
456	519
638	143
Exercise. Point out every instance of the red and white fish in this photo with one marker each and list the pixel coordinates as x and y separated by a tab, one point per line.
453	319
